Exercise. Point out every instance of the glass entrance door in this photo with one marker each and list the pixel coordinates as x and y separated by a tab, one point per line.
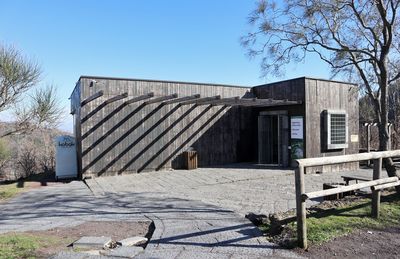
272	146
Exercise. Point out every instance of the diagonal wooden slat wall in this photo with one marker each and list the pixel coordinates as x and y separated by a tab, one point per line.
153	136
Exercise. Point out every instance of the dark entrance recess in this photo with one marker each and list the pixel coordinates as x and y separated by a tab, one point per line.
273	138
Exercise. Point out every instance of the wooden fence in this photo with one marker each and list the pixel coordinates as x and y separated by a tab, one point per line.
376	184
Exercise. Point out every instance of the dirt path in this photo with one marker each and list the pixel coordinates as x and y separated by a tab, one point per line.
372	243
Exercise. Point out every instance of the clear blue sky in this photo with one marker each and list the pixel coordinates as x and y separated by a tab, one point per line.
165	39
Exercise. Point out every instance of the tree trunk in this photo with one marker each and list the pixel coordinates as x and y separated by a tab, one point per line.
383	120
383	146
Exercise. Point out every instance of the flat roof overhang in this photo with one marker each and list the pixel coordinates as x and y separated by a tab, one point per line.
195	99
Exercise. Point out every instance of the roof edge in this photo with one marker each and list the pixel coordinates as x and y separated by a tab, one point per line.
159	81
310	78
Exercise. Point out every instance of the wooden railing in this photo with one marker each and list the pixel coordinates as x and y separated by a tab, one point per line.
377	184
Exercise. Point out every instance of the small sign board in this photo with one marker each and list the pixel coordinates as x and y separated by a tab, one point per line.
296	137
296	126
354	138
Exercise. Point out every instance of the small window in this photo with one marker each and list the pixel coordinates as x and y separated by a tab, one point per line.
336	129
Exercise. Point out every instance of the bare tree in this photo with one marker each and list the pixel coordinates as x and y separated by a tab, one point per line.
358	39
394	113
5	155
27	162
18	77
47	162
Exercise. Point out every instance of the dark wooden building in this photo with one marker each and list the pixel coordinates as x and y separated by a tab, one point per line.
328	113
132	125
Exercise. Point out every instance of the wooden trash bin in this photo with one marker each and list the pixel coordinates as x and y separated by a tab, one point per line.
190	159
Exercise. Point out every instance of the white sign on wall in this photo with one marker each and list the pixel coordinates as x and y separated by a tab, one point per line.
296	125
354	138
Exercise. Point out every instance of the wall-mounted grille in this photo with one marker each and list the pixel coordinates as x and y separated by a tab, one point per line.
336	129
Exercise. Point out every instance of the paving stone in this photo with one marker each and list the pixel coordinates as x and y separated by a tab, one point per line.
202	255
77	255
133	241
284	253
124	251
246	256
92	252
92	242
160	254
201	213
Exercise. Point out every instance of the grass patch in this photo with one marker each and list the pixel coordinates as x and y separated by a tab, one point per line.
22	245
326	224
17	246
7	191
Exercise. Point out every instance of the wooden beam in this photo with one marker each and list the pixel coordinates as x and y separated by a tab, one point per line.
301	212
268	102
368	142
376	194
201	100
116	98
277	103
223	101
102	105
353	187
250	101
385	186
182	99
161	99
246	101
92	97
307	162
140	98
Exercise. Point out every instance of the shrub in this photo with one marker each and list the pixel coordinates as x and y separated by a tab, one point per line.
27	162
5	155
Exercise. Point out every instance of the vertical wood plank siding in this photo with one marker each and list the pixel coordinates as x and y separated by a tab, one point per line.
137	137
119	138
322	95
292	90
317	96
76	113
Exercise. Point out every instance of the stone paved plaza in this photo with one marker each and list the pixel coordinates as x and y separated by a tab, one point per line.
240	187
197	214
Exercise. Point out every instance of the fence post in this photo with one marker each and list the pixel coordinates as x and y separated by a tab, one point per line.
368	142
300	208
376	195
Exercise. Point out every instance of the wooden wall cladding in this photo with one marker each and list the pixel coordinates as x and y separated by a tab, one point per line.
118	138
324	95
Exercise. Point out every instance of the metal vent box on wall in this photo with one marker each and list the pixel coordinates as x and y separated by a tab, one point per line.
66	160
336	129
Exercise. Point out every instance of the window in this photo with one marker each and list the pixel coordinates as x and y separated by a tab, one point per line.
336	129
